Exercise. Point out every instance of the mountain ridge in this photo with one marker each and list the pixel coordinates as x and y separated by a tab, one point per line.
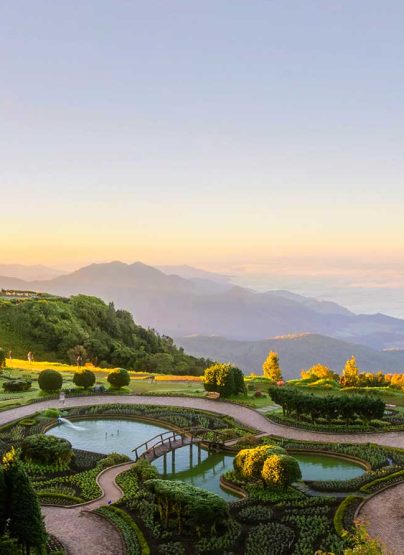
180	307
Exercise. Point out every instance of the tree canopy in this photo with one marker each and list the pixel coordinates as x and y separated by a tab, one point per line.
58	328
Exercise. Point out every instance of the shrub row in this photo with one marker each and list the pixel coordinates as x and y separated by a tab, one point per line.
382	482
353	484
135	542
341	524
296	402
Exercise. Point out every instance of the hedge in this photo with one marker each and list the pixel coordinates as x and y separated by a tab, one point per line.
135	542
339	522
382	482
296	402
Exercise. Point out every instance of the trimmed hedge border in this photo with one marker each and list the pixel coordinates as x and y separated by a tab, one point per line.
324	429
126	527
71	500
384	481
340	513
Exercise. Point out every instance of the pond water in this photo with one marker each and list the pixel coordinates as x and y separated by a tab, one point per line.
189	463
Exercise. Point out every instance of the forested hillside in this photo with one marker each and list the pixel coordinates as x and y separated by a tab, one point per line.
57	328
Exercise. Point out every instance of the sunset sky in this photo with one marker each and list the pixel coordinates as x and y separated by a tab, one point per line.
212	133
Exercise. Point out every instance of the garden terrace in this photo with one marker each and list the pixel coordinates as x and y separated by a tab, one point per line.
309	520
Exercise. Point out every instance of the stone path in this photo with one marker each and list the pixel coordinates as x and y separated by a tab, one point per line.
383	516
83	532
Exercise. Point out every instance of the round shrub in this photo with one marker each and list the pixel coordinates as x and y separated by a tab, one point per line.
84	378
16	385
43	449
50	380
280	471
51	413
119	377
249	462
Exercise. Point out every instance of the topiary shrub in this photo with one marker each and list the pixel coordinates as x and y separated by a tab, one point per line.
224	379
119	377
51	413
84	378
248	463
280	471
44	449
16	385
50	380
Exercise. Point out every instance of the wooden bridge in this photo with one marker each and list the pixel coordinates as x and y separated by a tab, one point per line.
169	441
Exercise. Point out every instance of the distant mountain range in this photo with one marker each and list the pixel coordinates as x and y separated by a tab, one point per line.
295	353
30	273
207	304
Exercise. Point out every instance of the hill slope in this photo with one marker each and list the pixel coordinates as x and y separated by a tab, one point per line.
295	352
57	328
180	307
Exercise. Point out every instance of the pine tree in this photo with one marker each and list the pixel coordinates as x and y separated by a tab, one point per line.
24	512
350	373
271	368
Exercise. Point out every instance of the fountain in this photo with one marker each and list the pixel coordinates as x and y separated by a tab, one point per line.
69	424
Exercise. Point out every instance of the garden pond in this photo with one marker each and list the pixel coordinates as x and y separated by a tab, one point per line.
190	464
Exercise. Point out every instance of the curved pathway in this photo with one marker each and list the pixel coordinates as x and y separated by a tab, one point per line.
81	531
245	415
383	515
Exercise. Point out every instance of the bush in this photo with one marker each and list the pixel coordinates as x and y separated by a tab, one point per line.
118	377
248	463
280	471
331	407
51	413
43	449
84	378
224	379
16	385
50	380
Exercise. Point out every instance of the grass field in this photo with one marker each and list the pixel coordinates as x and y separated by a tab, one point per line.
140	384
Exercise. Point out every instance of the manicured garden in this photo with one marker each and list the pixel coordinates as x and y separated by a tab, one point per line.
159	516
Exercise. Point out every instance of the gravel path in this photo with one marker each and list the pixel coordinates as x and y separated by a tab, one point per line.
383	516
81	531
245	415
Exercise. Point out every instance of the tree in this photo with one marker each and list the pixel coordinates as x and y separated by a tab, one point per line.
350	373
318	372
24	512
50	380
226	379
119	377
2	358
84	378
271	367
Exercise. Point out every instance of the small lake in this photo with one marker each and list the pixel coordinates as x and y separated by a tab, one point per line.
190	464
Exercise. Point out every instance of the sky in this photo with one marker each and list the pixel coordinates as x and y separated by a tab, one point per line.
222	133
